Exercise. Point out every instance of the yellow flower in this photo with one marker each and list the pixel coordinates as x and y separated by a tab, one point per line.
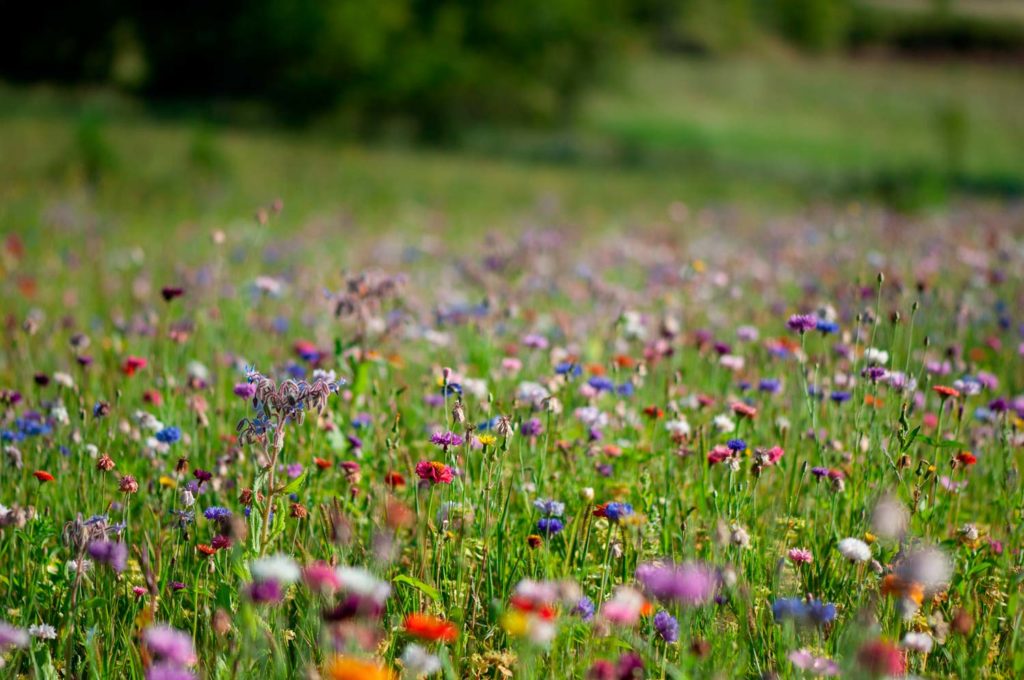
348	668
168	482
515	623
869	537
487	439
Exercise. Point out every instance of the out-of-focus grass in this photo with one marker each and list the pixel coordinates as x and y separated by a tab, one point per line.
744	132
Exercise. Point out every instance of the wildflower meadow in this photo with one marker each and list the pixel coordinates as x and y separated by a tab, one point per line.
693	446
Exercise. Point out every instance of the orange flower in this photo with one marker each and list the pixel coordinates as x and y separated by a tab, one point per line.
945	392
534	541
43	476
427	627
348	668
623	361
744	410
653	412
894	585
206	549
321	463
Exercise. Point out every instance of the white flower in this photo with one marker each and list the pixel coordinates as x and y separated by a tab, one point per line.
325	376
591	416
732	362
59	414
43	631
723	423
475	386
873	355
532	393
269	285
854	549
890	518
930	567
419	662
918	642
361	582
280	568
64	380
197	371
73	566
679	427
147	421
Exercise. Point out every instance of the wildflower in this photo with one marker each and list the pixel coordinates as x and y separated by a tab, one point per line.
800	556
584	608
666	626
624	607
549	507
113	554
264	592
170	645
689	584
168	435
549	526
418	662
245	390
128	484
815	665
321	577
168	293
917	642
946	392
802	323
217	513
132	364
534	541
966	458
43	631
614	511
928	566
446	440
43	476
349	668
431	628
854	549
279	568
11	636
434	472
105	463
881	658
890	518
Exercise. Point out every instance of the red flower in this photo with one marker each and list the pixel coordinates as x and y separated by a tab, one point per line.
43	476
206	549
966	458
220	541
946	392
434	472
394	480
322	464
653	412
152	397
600	510
427	627
132	364
881	658
744	410
170	292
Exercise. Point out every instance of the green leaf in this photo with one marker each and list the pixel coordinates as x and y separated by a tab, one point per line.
297	483
425	588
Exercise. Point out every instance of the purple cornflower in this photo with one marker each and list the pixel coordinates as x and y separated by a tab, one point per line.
245	390
616	511
111	553
170	645
689	584
532	428
294	470
802	323
736	445
584	608
265	592
446	439
666	626
549	507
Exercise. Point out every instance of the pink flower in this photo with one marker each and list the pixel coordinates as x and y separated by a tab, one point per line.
320	577
800	556
434	472
625	607
816	665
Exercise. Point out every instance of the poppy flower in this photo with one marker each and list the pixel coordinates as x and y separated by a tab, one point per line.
132	364
966	458
322	464
43	476
946	392
427	627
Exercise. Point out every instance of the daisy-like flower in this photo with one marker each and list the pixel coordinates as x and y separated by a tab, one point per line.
43	631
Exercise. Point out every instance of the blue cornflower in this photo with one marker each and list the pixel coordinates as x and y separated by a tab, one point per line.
840	396
451	389
32	426
626	389
570	369
736	445
601	383
788	608
549	525
616	511
771	385
168	435
826	327
217	513
821	613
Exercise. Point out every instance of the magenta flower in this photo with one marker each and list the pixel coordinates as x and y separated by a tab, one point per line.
689	584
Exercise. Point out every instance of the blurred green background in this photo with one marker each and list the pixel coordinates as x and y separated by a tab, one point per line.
413	112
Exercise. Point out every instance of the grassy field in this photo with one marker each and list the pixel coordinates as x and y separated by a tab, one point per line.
659	396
